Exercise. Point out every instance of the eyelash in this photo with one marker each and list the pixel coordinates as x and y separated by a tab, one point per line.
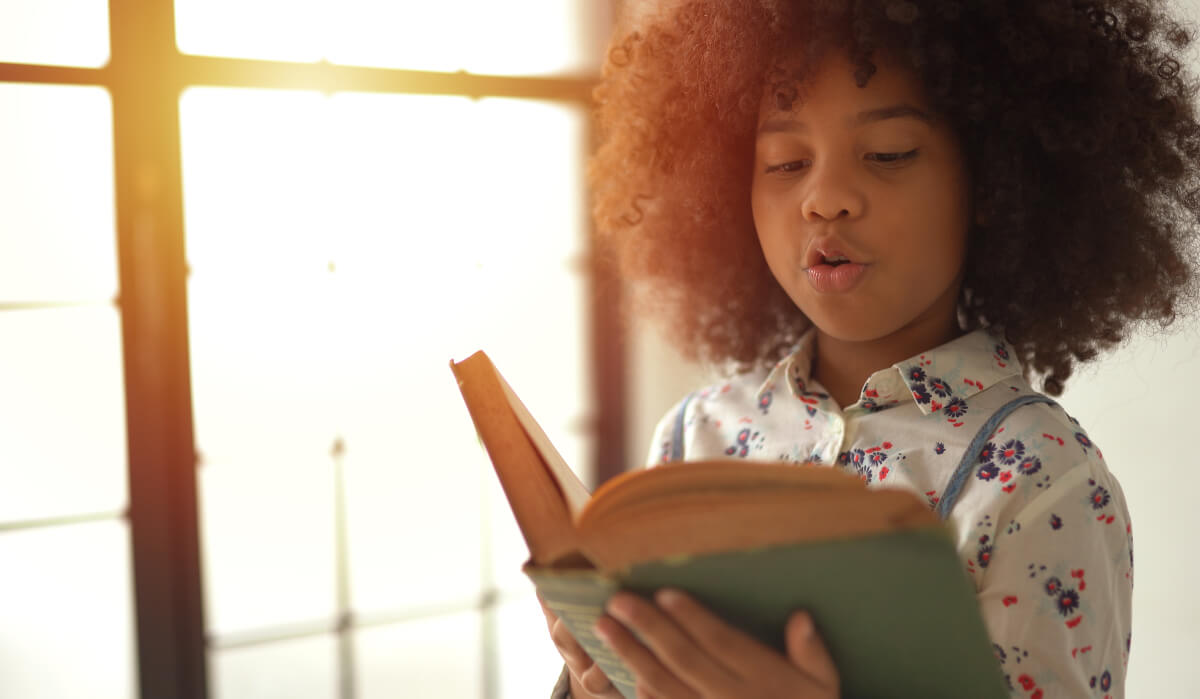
888	158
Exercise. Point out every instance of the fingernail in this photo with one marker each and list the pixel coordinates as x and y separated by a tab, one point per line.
602	629
619	607
806	624
668	598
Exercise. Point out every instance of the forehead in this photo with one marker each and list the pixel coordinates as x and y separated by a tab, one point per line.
827	90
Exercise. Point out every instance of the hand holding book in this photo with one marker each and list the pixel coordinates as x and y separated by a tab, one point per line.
753	542
686	650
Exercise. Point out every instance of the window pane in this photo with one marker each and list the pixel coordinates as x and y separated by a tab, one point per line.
527	661
281	30
57	231
532	37
67	604
267	533
438	656
304	668
54	32
360	243
62	414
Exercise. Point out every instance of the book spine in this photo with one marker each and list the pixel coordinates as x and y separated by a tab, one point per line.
578	600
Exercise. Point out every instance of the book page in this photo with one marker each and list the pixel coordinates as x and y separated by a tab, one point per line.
574	492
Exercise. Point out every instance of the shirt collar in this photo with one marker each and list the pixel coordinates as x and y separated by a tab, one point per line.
933	380
957	370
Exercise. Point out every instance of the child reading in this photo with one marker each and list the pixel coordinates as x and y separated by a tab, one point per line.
890	216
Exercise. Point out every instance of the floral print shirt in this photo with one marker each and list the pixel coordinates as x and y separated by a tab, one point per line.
1041	524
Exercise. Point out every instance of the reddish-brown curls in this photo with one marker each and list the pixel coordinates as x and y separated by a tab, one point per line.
1077	119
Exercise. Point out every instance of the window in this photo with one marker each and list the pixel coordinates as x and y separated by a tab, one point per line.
242	468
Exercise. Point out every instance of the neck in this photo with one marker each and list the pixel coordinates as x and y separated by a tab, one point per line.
843	366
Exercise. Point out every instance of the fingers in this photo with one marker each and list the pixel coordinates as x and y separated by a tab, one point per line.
674	661
594	681
579	663
742	655
807	651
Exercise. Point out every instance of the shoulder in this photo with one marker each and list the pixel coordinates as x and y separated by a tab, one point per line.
1039	466
702	411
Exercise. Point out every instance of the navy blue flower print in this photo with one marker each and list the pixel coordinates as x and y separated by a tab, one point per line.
987	453
956	408
742	447
1083	439
939	387
764	402
1099	498
915	374
939	448
878	457
1055	522
984	556
1029	466
1105	681
858	457
1001	352
1011	452
1053	587
920	393
1068	602
988	472
843	459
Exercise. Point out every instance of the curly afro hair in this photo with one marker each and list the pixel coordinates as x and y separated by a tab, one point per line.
1076	118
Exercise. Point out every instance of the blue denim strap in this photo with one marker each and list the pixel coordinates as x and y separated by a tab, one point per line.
677	433
968	463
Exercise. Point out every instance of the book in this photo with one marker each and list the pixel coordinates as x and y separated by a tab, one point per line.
752	541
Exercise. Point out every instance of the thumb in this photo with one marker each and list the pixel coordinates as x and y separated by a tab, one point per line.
807	651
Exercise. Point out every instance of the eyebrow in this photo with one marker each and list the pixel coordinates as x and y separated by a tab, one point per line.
896	111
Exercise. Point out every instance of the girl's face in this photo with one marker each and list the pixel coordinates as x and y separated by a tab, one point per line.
860	200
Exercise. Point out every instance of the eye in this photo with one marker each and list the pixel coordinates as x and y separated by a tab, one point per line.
791	166
887	160
892	158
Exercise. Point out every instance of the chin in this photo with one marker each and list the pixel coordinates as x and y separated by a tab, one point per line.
848	327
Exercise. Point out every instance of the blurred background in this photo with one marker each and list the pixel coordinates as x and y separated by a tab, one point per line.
240	241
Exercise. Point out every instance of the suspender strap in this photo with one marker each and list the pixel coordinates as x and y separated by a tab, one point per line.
677	433
971	456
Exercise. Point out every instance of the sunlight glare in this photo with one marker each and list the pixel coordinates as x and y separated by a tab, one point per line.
54	32
526	37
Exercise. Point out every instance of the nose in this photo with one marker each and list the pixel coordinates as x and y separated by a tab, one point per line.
832	193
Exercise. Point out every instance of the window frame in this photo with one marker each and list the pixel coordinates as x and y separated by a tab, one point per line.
145	76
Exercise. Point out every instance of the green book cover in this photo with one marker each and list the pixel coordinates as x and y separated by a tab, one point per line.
895	610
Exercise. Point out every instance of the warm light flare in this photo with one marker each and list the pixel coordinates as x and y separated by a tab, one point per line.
530	37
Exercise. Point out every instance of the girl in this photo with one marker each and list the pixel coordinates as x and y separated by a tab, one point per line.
890	216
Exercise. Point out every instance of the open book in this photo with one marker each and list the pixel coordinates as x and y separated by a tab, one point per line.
753	542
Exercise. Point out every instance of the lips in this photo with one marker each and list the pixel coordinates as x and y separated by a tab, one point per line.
830	270
835	279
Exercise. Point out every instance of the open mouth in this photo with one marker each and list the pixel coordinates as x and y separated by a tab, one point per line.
835	261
